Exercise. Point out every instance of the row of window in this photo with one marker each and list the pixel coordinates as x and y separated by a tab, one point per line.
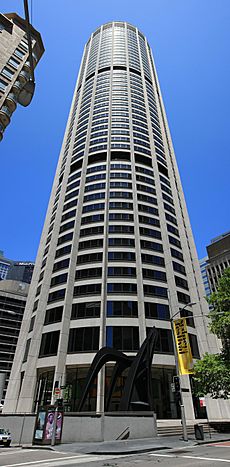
124	338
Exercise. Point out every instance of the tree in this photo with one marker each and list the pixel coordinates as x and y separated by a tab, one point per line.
212	372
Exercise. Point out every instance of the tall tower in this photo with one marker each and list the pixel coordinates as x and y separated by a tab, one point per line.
116	255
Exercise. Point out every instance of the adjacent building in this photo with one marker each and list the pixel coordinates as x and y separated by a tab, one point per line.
13	295
21	271
218	259
116	255
15	69
5	265
204	275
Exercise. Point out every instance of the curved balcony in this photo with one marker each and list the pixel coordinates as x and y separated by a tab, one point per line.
23	76
11	101
26	66
5	115
17	86
1	131
35	59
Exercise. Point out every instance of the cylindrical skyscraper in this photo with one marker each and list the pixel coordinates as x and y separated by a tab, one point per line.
116	255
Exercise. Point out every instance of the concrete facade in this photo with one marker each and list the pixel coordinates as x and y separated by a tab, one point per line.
116	254
218	259
14	62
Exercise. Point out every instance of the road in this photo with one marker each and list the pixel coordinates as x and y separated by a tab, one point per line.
211	455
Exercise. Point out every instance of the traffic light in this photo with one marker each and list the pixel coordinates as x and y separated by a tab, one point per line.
176	381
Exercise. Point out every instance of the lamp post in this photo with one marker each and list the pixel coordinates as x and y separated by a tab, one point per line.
183	417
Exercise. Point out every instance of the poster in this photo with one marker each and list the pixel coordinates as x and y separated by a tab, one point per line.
40	423
49	425
184	353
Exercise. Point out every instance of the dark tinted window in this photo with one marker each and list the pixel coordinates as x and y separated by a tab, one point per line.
54	315
83	340
49	344
122	338
157	311
125	309
85	310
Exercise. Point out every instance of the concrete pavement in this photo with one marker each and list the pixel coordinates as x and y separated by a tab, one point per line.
135	446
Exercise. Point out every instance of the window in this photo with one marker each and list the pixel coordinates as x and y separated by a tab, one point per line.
83	340
121	229
89	258
85	310
57	295
120	216
63	251
120	194
157	311
121	271
180	282
179	268
67	226
146	245
149	259
125	309
3	85
173	230
92	231
122	288
93	218
150	232
13	62
183	298
93	207
174	241
155	291
164	343
189	317
53	315
7	73
26	351
149	220
61	265
121	242
194	345
121	256
61	279
177	254
88	244
32	324
88	273
120	205
122	338
150	274
49	344
65	238
89	289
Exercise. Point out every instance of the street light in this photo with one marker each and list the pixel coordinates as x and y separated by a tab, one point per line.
183	418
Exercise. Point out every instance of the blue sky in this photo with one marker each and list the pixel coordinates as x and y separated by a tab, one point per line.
190	42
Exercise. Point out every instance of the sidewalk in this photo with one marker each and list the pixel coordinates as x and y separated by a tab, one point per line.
138	445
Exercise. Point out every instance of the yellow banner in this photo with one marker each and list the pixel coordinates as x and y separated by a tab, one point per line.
183	346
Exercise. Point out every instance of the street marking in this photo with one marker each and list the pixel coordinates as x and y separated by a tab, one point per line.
206	458
77	459
191	457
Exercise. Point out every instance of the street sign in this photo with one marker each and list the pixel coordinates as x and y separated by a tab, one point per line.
202	402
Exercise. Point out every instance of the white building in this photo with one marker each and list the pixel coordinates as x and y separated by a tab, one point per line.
116	255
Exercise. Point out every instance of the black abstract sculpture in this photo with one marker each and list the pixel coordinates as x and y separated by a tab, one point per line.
138	381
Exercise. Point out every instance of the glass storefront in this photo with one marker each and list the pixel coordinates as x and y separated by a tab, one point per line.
75	381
